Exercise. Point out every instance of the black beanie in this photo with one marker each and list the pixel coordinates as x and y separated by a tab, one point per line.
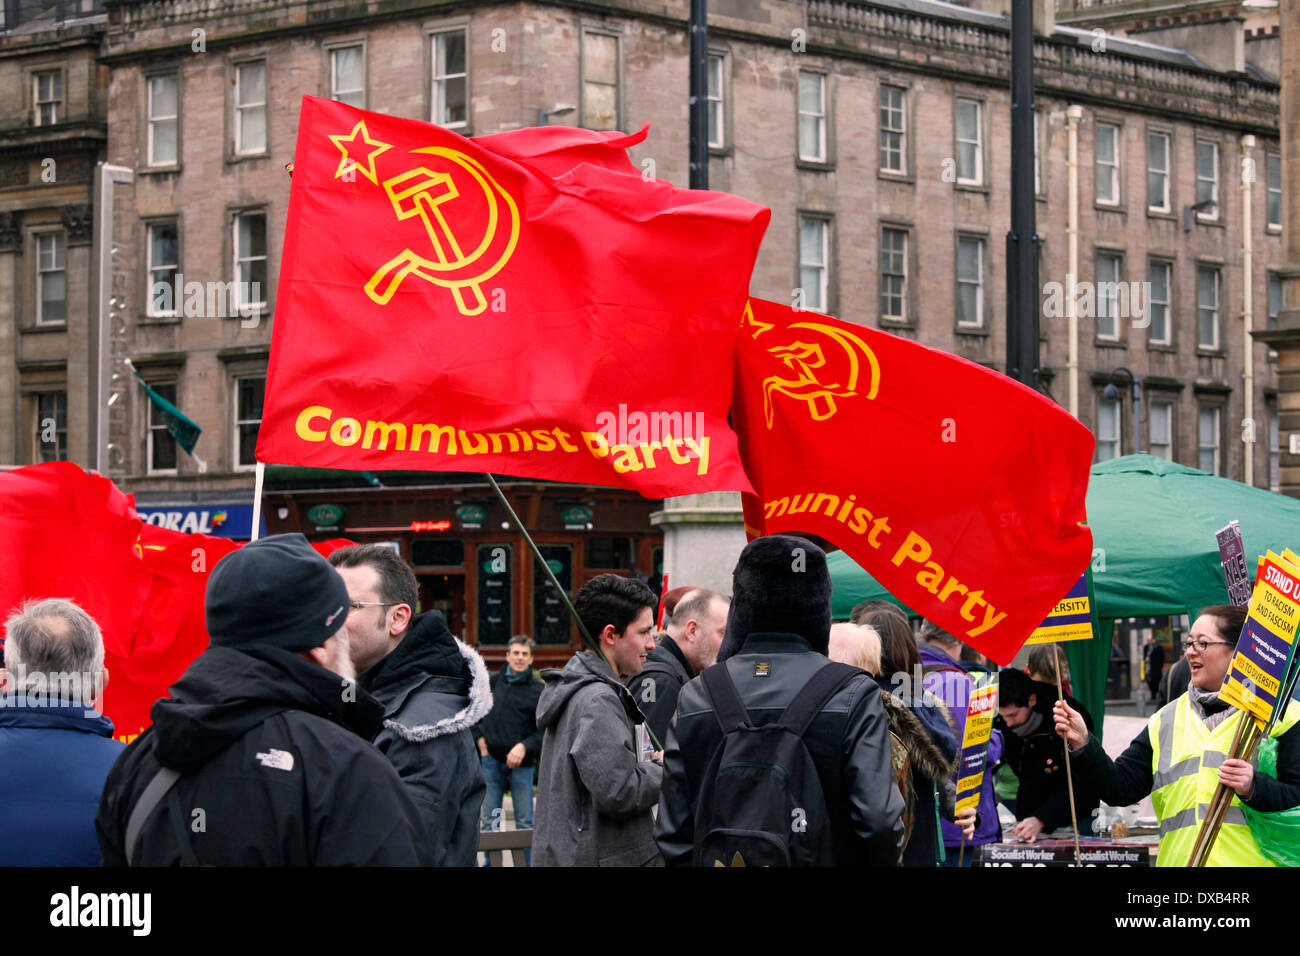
781	583
275	591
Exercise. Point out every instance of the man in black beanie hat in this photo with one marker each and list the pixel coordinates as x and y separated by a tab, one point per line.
261	755
776	641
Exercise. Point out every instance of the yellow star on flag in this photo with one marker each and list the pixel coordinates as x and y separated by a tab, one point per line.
342	142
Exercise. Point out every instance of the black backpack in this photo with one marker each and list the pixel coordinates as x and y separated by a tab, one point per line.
762	802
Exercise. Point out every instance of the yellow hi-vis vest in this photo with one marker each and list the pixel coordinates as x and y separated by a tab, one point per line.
1185	761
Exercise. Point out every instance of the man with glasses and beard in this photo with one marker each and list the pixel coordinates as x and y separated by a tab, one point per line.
433	688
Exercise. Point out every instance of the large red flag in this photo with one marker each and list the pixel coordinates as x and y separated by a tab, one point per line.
959	490
529	303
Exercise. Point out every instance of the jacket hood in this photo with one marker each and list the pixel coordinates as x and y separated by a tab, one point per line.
562	683
226	692
927	759
451	677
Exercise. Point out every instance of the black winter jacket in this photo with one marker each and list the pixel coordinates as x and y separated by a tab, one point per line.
513	717
848	742
1038	759
434	689
277	770
656	688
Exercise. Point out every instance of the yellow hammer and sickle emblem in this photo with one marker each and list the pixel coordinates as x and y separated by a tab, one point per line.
421	192
817	379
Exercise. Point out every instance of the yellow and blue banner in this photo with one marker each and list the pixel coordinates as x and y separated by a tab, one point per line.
1074	618
975	745
1261	661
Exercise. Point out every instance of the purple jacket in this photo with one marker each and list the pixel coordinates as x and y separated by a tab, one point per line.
953	686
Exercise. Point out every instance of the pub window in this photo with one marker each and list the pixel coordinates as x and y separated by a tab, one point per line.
437	553
610	553
495	586
551	623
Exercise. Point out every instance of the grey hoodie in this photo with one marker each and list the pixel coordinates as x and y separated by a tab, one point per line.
594	794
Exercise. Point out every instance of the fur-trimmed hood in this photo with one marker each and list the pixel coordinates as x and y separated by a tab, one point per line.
432	685
927	758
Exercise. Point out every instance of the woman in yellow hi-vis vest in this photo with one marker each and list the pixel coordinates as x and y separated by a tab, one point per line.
1182	756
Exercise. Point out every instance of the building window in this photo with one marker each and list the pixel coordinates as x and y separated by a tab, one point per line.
164	255
1159	275
250	108
1108	429
970	143
348	75
450	100
47	97
1274	174
970	282
600	81
1158	172
51	426
893	129
250	261
248	418
812	116
1207	308
163	120
160	450
716	101
1274	298
1108	164
1207	178
51	280
893	274
814	256
1208	439
1108	271
1274	451
1161	422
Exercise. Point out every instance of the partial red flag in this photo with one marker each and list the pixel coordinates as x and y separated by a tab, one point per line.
172	631
65	533
528	303
958	489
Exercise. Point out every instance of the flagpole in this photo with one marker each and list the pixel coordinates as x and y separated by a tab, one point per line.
559	589
257	501
1069	776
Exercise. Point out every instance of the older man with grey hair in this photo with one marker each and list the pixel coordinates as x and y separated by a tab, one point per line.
56	748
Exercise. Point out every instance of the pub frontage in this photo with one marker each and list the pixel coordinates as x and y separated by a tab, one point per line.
471	562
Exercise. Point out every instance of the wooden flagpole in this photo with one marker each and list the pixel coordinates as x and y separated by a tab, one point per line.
1069	775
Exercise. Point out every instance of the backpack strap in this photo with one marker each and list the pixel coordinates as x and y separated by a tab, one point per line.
728	708
157	788
815	695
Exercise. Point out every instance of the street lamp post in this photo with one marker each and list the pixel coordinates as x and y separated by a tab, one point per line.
1110	393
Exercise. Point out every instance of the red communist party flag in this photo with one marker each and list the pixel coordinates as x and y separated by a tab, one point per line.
528	303
958	489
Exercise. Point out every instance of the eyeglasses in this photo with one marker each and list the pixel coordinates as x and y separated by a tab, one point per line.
358	605
1200	646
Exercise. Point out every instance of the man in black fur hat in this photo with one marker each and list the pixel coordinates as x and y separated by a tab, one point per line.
776	640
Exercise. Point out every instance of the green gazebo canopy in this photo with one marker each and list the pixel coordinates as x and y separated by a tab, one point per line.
1154	551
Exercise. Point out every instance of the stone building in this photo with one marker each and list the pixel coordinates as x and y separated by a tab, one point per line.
52	133
876	131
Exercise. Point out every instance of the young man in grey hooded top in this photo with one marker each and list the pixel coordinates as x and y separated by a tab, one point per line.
594	792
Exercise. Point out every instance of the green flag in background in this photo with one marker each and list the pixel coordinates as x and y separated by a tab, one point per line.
181	428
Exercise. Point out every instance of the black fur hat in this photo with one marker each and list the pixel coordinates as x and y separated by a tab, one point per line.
781	584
